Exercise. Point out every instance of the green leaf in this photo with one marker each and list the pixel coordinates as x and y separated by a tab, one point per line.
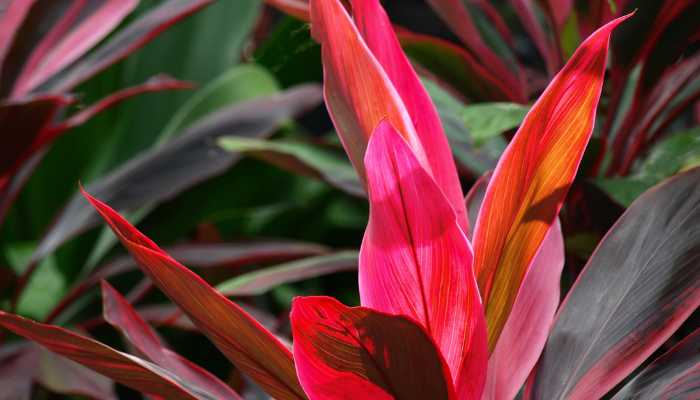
301	158
259	282
46	286
238	84
677	153
570	36
487	120
478	158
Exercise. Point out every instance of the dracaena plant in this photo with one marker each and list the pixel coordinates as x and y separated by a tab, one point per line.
47	49
458	298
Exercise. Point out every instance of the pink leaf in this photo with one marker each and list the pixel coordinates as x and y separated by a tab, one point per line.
358	92
525	332
416	261
65	43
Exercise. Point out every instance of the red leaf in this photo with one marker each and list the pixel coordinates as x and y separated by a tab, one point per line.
358	92
358	353
119	313
533	176
243	340
121	367
416	261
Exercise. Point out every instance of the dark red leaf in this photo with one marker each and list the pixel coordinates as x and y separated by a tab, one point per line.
126	41
80	27
253	349
161	173
663	378
121	367
638	287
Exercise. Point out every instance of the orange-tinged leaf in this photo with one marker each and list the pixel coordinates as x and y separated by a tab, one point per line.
533	176
375	27
241	338
358	92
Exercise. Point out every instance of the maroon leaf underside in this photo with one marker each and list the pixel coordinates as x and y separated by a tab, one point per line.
159	174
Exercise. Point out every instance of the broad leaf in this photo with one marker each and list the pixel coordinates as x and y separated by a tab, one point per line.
533	176
243	340
638	287
416	261
358	353
487	120
678	152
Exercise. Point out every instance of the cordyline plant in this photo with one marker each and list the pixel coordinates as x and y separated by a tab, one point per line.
45	53
654	73
458	298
